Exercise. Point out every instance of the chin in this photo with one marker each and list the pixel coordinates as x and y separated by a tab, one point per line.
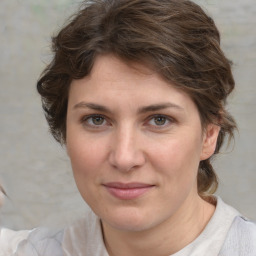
128	220
128	226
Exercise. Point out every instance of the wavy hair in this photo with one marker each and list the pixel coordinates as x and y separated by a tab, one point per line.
176	38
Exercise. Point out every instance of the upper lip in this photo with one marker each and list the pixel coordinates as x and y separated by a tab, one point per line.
130	185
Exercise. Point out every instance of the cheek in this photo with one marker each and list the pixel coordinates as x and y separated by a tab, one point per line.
178	159
86	160
178	152
86	154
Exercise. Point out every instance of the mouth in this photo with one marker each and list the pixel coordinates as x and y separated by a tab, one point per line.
128	191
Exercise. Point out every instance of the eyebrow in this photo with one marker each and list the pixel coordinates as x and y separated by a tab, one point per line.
157	107
92	106
145	109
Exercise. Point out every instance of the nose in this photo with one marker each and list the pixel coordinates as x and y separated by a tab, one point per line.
126	150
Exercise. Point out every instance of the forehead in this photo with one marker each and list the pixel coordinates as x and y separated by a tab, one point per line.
123	81
107	64
109	69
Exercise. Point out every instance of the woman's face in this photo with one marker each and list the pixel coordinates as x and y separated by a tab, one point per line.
135	143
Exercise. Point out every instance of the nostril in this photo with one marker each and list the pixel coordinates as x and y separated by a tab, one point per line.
124	161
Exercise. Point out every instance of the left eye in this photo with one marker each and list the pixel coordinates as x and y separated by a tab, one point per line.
159	121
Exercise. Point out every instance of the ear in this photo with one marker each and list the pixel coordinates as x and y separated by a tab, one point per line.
210	137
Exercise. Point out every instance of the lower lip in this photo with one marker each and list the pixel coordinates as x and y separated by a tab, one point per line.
128	193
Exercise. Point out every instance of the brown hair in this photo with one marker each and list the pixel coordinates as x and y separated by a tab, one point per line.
175	37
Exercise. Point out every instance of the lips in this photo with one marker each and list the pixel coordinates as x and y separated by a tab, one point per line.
127	191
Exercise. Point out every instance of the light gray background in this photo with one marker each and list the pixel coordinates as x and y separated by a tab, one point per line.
35	170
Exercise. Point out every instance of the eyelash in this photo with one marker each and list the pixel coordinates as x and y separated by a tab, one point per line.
85	121
167	121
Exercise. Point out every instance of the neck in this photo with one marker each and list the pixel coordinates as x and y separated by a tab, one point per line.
167	238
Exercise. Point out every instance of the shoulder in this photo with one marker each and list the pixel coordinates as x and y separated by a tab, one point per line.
241	238
40	241
84	237
243	230
9	240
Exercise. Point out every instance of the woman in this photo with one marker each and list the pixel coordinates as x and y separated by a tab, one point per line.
136	92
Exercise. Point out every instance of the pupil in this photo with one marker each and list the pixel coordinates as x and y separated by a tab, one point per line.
97	120
160	120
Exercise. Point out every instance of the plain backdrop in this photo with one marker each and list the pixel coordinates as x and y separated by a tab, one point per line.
35	170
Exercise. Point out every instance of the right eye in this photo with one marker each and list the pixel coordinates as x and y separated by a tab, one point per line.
94	121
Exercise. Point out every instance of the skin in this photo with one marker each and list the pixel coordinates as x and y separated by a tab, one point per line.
126	124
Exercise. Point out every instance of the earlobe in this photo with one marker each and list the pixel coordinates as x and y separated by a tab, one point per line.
209	141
